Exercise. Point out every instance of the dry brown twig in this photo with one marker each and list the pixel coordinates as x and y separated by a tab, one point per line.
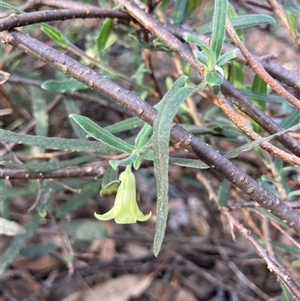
271	261
278	11
258	68
232	115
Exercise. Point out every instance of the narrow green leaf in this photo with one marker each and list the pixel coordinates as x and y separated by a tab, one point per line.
237	75
19	242
143	137
193	5
224	58
124	125
95	131
231	13
180	11
290	119
61	86
211	57
104	34
73	108
161	133
124	162
9	6
287	248
292	7
293	193
258	86
272	217
193	163
223	193
219	22
74	145
285	296
54	34
265	97
213	78
40	112
240	22
251	145
202	58
10	228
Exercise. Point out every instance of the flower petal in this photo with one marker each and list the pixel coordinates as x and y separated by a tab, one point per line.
107	216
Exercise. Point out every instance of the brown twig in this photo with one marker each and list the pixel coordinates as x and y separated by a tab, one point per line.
237	98
258	68
70	172
232	115
146	112
32	123
278	11
162	32
272	263
18	20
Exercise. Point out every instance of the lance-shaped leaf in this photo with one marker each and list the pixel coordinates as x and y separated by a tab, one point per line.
210	55
213	78
95	131
74	145
124	162
225	57
143	137
240	22
67	85
54	34
104	34
219	22
161	133
202	58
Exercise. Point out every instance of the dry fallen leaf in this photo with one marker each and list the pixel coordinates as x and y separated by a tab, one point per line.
119	289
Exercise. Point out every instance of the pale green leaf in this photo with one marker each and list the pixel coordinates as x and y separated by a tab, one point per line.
223	193
61	86
213	78
210	55
226	57
104	34
161	133
124	125
75	145
219	22
240	22
95	131
73	108
40	112
54	34
257	142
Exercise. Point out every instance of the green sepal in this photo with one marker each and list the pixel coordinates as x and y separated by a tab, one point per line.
110	188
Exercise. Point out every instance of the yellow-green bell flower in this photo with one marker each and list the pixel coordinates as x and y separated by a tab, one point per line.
125	210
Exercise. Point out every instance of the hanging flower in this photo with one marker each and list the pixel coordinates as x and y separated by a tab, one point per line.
125	209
